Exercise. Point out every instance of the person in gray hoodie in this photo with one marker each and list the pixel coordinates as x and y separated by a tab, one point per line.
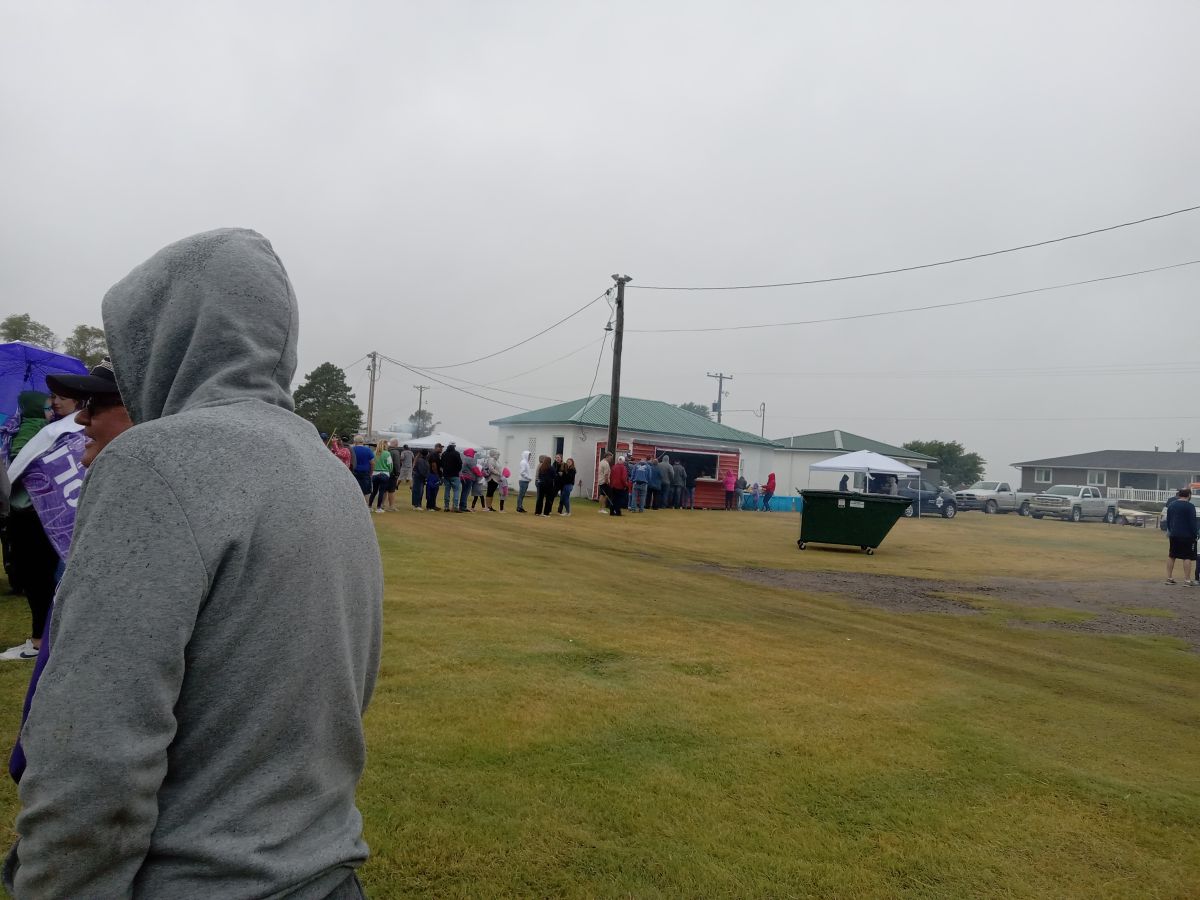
667	474
523	478
197	731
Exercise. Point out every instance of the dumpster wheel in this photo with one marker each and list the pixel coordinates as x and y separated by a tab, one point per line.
870	551
801	544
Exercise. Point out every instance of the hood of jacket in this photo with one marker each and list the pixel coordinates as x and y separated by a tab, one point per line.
207	320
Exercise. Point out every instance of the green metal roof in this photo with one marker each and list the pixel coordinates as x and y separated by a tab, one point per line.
838	441
643	416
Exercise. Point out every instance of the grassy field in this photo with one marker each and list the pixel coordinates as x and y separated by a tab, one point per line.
598	707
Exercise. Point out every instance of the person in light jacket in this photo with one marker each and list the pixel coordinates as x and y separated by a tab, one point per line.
524	476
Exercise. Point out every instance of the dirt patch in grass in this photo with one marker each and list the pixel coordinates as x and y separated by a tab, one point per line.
1103	607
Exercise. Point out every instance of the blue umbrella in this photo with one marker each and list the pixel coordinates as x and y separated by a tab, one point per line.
24	367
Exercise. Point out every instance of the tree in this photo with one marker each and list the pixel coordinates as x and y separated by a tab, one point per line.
325	399
87	343
25	328
422	423
959	468
699	409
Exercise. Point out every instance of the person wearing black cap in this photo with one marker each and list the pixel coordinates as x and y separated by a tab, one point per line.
197	731
100	409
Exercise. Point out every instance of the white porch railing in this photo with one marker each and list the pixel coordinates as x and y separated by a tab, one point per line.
1116	493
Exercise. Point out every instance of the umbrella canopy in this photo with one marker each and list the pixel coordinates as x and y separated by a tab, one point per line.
864	461
444	438
24	367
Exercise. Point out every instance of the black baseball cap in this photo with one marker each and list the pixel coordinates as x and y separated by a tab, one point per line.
99	382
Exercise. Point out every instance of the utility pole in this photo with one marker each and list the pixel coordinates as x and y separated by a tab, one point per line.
372	371
761	412
614	395
721	379
421	389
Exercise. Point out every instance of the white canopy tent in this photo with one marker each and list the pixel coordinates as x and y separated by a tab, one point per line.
444	438
867	461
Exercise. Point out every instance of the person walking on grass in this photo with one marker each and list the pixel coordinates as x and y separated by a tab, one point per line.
603	477
566	480
381	477
545	487
197	731
1181	535
768	492
524	476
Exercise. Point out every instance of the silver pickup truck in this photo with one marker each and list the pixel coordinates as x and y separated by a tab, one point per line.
994	497
1074	502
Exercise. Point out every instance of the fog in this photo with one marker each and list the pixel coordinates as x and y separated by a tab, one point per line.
445	180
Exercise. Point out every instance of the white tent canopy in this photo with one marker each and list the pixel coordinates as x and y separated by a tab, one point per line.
867	461
444	438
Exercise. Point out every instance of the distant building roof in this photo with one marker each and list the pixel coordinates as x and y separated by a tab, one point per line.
642	416
838	441
1125	460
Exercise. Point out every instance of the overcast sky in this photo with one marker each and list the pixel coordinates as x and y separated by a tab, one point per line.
445	179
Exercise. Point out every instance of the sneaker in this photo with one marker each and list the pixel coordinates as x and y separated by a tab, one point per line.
21	651
603	512
378	512
1169	581
1190	583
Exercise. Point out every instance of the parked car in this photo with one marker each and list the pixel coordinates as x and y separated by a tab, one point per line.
933	500
1074	502
994	497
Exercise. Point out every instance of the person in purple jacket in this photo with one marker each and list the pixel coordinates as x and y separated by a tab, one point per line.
103	417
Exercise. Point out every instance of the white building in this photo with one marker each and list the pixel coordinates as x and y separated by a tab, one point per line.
579	430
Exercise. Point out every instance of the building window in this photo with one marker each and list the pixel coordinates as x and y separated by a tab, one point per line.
560	445
1041	476
1097	477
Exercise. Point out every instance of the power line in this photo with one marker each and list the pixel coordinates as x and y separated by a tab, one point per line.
527	340
484	386
1098	371
545	365
424	374
603	341
840	417
910	309
944	262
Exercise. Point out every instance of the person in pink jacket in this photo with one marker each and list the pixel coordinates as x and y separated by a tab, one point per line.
730	480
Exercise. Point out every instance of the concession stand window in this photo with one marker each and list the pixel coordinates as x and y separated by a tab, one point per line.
698	463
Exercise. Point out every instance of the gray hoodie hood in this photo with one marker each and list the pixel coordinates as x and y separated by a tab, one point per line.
209	319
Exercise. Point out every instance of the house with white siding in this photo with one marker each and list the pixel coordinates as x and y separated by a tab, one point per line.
578	429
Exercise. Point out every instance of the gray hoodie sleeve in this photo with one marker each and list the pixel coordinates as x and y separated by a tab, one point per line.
103	716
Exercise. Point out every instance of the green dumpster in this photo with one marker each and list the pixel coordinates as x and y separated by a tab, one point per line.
855	520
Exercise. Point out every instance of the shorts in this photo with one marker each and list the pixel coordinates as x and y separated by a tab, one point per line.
1182	548
392	484
364	481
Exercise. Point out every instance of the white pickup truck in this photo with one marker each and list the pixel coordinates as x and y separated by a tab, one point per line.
994	497
1074	502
